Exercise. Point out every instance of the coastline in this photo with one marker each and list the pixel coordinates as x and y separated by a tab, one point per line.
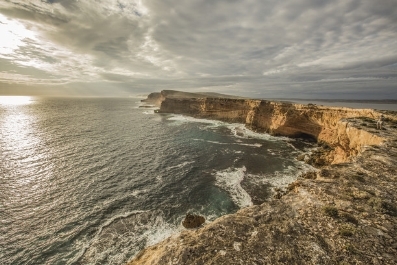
343	212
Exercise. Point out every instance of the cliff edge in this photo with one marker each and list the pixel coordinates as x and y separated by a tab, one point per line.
343	213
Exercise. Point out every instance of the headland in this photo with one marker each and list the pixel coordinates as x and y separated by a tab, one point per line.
344	212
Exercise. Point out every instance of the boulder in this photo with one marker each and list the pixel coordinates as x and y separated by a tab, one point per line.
193	221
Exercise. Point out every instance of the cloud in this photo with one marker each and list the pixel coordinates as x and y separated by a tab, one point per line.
244	47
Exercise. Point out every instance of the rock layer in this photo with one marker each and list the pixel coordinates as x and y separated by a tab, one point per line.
325	124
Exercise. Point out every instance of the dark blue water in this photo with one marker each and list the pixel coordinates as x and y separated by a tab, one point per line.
93	181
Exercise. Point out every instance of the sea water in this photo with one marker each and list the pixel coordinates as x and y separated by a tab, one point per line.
96	180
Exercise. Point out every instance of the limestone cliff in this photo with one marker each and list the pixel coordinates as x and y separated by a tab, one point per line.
325	124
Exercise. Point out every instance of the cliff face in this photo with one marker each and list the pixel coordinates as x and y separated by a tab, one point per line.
325	124
154	98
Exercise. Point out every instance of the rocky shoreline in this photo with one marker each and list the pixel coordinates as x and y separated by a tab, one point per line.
345	212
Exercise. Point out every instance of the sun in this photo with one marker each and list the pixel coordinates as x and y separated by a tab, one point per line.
15	100
13	35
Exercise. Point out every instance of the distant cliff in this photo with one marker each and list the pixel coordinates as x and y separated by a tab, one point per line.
325	124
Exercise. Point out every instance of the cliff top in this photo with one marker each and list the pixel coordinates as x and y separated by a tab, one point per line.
181	94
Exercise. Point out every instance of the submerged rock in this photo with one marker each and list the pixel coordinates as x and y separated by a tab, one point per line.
193	221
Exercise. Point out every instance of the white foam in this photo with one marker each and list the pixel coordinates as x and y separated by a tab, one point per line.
181	165
186	119
149	112
136	193
253	145
237	129
159	178
282	178
230	180
140	104
162	231
95	239
241	131
115	244
237	143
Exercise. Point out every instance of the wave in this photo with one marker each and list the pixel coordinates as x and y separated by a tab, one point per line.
184	119
282	178
241	131
136	193
246	189
238	130
230	180
123	236
237	143
181	165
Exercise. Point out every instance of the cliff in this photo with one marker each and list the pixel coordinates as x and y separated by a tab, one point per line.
342	213
157	98
324	124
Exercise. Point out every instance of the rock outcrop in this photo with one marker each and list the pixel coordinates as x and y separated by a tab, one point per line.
193	221
343	213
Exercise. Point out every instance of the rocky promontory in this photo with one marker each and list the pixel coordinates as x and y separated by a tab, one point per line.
344	212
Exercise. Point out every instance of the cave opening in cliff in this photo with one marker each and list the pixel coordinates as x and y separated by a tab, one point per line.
305	137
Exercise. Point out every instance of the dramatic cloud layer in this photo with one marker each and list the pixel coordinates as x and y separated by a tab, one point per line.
268	48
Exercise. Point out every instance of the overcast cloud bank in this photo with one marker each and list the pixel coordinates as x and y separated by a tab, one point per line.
300	48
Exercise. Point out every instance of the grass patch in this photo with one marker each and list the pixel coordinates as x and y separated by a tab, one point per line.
346	231
383	206
350	248
331	211
349	218
359	178
389	208
371	192
375	202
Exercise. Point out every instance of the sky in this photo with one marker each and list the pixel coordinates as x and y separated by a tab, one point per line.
337	49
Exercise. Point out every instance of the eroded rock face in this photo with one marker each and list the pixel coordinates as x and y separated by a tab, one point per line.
193	221
324	124
154	98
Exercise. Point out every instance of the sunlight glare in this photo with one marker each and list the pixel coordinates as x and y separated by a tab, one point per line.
13	35
15	100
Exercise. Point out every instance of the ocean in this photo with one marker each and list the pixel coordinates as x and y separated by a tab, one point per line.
96	180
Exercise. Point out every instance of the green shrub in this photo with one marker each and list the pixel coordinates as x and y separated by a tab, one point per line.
388	208
330	211
346	231
383	206
359	178
350	248
349	218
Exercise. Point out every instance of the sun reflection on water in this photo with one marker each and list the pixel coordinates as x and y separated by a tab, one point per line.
21	144
15	100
